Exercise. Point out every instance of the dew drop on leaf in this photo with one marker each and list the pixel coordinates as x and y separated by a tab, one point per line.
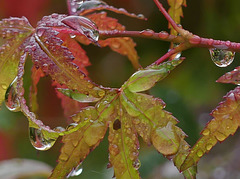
11	98
209	146
72	36
76	171
176	55
137	164
113	149
221	58
71	126
221	137
101	93
38	141
59	129
206	132
90	4
83	25
4	86
199	153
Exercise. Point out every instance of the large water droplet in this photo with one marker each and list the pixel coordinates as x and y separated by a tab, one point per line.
221	58
90	4
76	171
11	98
84	25
83	98
38	141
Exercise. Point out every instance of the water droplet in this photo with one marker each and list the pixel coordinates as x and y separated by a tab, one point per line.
84	25
71	126
59	129
11	97
101	93
209	146
139	98
147	32
4	86
112	25
90	4
63	157
221	137
38	141
141	16
72	36
195	39
137	164
40	32
76	171
75	143
136	121
175	56
220	57
199	153
206	132
163	34
116	45
113	149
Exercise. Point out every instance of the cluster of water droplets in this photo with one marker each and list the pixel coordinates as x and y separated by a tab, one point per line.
11	98
221	57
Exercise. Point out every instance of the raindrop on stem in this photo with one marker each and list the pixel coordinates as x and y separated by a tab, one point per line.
221	57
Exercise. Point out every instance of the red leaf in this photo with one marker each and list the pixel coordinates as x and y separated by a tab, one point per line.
231	77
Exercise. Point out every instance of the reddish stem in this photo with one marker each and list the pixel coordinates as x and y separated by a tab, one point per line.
69	7
142	34
175	50
166	15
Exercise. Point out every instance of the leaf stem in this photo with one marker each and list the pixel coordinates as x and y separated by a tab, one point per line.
164	36
175	50
166	15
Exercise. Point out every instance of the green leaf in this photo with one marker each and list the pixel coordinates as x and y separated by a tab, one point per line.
146	78
15	32
127	114
226	122
78	144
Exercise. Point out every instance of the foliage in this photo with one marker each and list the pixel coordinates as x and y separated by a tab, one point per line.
128	112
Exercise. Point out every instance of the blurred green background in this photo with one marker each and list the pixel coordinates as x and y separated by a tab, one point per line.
190	91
